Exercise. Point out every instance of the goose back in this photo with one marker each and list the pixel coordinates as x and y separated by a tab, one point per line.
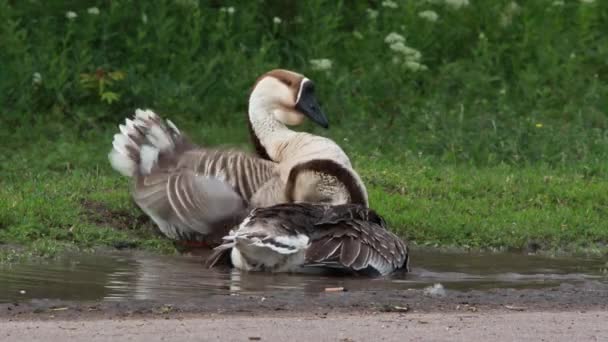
331	173
244	172
324	181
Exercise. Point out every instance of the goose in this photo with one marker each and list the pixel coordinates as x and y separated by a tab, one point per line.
197	193
294	236
272	109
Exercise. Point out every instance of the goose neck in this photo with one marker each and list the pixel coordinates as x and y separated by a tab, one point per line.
270	132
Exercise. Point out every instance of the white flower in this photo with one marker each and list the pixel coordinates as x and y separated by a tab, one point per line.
431	16
230	10
144	18
415	66
558	3
71	15
394	37
457	3
93	10
36	78
276	20
321	64
587	1
408	52
389	4
513	7
372	14
510	11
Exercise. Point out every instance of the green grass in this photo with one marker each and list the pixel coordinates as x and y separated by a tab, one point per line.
498	140
63	194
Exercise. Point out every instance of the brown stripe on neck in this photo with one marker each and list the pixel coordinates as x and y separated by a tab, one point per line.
329	167
260	150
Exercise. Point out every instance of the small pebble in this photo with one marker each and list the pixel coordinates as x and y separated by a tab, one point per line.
436	290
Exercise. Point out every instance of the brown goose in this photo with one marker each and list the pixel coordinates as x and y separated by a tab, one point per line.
195	193
292	236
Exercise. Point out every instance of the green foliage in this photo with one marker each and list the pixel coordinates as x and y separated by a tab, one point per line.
100	81
486	127
489	73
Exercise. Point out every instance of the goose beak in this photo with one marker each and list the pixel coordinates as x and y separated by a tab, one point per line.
307	104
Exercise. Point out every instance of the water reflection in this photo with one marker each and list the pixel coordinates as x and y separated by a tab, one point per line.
136	276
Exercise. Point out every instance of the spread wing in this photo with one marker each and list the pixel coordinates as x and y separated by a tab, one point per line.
184	203
204	194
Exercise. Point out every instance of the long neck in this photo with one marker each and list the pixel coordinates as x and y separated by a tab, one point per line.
267	133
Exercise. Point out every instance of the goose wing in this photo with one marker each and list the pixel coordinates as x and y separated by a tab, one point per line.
186	204
356	238
202	192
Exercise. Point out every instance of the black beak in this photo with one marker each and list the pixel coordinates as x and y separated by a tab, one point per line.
307	104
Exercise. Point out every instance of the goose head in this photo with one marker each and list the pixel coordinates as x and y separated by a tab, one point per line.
286	97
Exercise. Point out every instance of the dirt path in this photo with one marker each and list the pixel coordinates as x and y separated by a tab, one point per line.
494	326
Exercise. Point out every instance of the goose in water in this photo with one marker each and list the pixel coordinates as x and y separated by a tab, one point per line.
197	194
295	236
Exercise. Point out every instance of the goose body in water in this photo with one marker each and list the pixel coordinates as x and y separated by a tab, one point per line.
295	236
197	193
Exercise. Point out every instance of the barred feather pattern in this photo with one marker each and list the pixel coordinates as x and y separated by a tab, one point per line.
206	191
191	193
245	173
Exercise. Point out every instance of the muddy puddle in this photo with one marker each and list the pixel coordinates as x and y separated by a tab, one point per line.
136	276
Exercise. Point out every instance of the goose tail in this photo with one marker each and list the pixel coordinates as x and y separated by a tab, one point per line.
143	142
264	245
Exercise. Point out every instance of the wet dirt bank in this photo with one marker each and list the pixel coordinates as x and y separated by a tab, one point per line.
591	296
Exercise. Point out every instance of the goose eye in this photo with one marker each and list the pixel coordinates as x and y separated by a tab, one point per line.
286	82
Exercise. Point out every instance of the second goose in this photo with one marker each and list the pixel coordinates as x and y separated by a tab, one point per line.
295	236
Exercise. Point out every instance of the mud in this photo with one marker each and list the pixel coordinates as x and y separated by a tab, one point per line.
591	297
99	213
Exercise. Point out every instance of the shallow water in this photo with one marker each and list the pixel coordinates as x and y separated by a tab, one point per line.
137	276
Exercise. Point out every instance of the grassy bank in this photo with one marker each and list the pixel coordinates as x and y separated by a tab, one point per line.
474	124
